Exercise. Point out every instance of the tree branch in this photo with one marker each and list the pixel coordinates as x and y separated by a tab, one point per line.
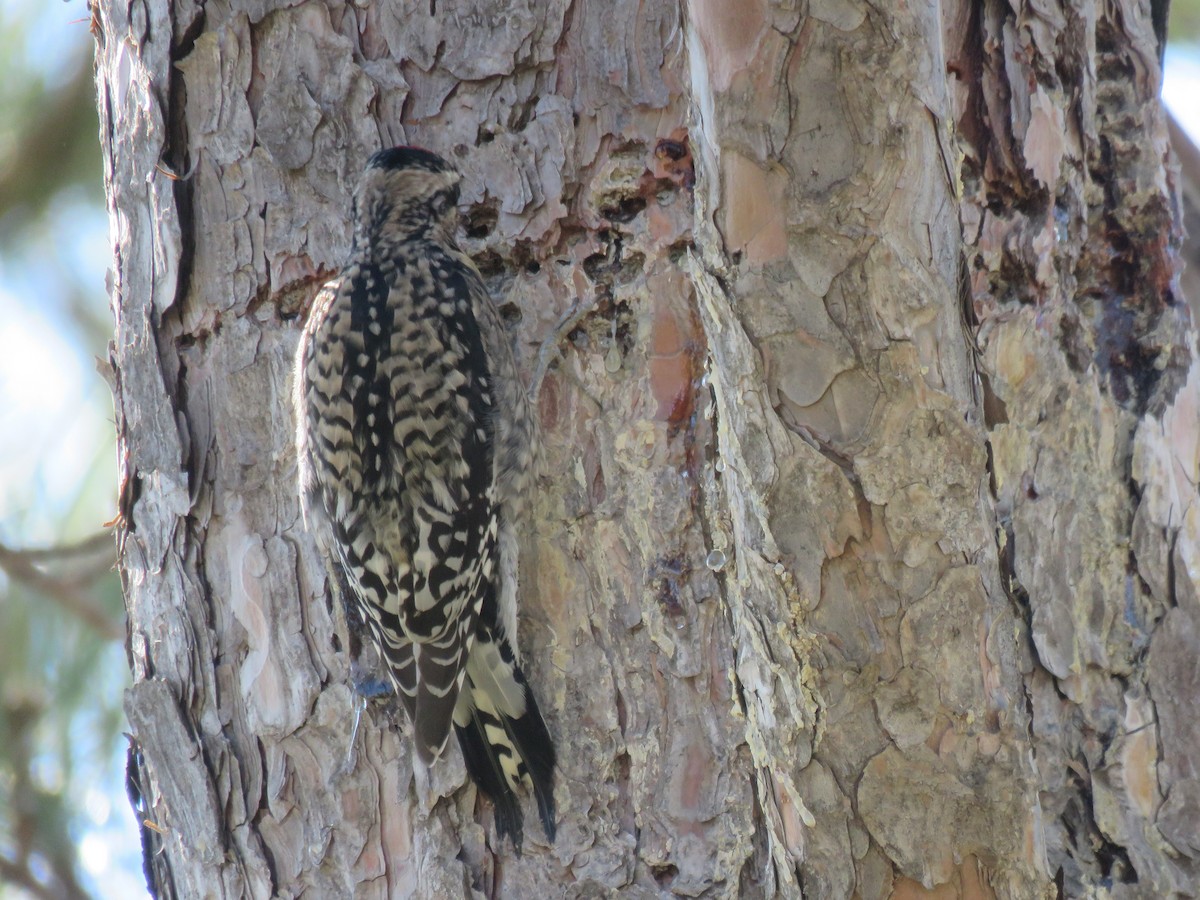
26	567
15	873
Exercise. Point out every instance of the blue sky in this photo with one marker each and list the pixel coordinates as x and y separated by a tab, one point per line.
1181	88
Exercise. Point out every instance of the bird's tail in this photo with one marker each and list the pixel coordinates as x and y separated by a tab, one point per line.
504	739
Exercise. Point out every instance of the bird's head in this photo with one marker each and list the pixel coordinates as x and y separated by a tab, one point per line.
406	192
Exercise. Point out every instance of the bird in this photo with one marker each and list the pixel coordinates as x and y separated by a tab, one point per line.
416	447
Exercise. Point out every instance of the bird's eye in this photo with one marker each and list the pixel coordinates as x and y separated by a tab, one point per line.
446	200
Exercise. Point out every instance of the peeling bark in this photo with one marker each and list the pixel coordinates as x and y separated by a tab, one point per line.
864	558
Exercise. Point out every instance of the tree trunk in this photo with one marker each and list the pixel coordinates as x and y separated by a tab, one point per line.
864	555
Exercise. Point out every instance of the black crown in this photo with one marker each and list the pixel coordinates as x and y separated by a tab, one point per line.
408	158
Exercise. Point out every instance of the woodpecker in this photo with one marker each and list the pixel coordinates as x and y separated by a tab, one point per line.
415	442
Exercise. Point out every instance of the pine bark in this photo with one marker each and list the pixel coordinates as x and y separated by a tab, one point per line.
863	557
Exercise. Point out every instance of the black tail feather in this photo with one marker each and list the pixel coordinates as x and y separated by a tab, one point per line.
533	743
484	770
532	738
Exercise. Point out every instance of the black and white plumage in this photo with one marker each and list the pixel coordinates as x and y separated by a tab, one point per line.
415	441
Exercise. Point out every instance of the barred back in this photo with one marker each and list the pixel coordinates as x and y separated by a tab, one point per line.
415	441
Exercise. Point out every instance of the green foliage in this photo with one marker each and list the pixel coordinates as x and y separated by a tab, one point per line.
62	663
49	127
1184	25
